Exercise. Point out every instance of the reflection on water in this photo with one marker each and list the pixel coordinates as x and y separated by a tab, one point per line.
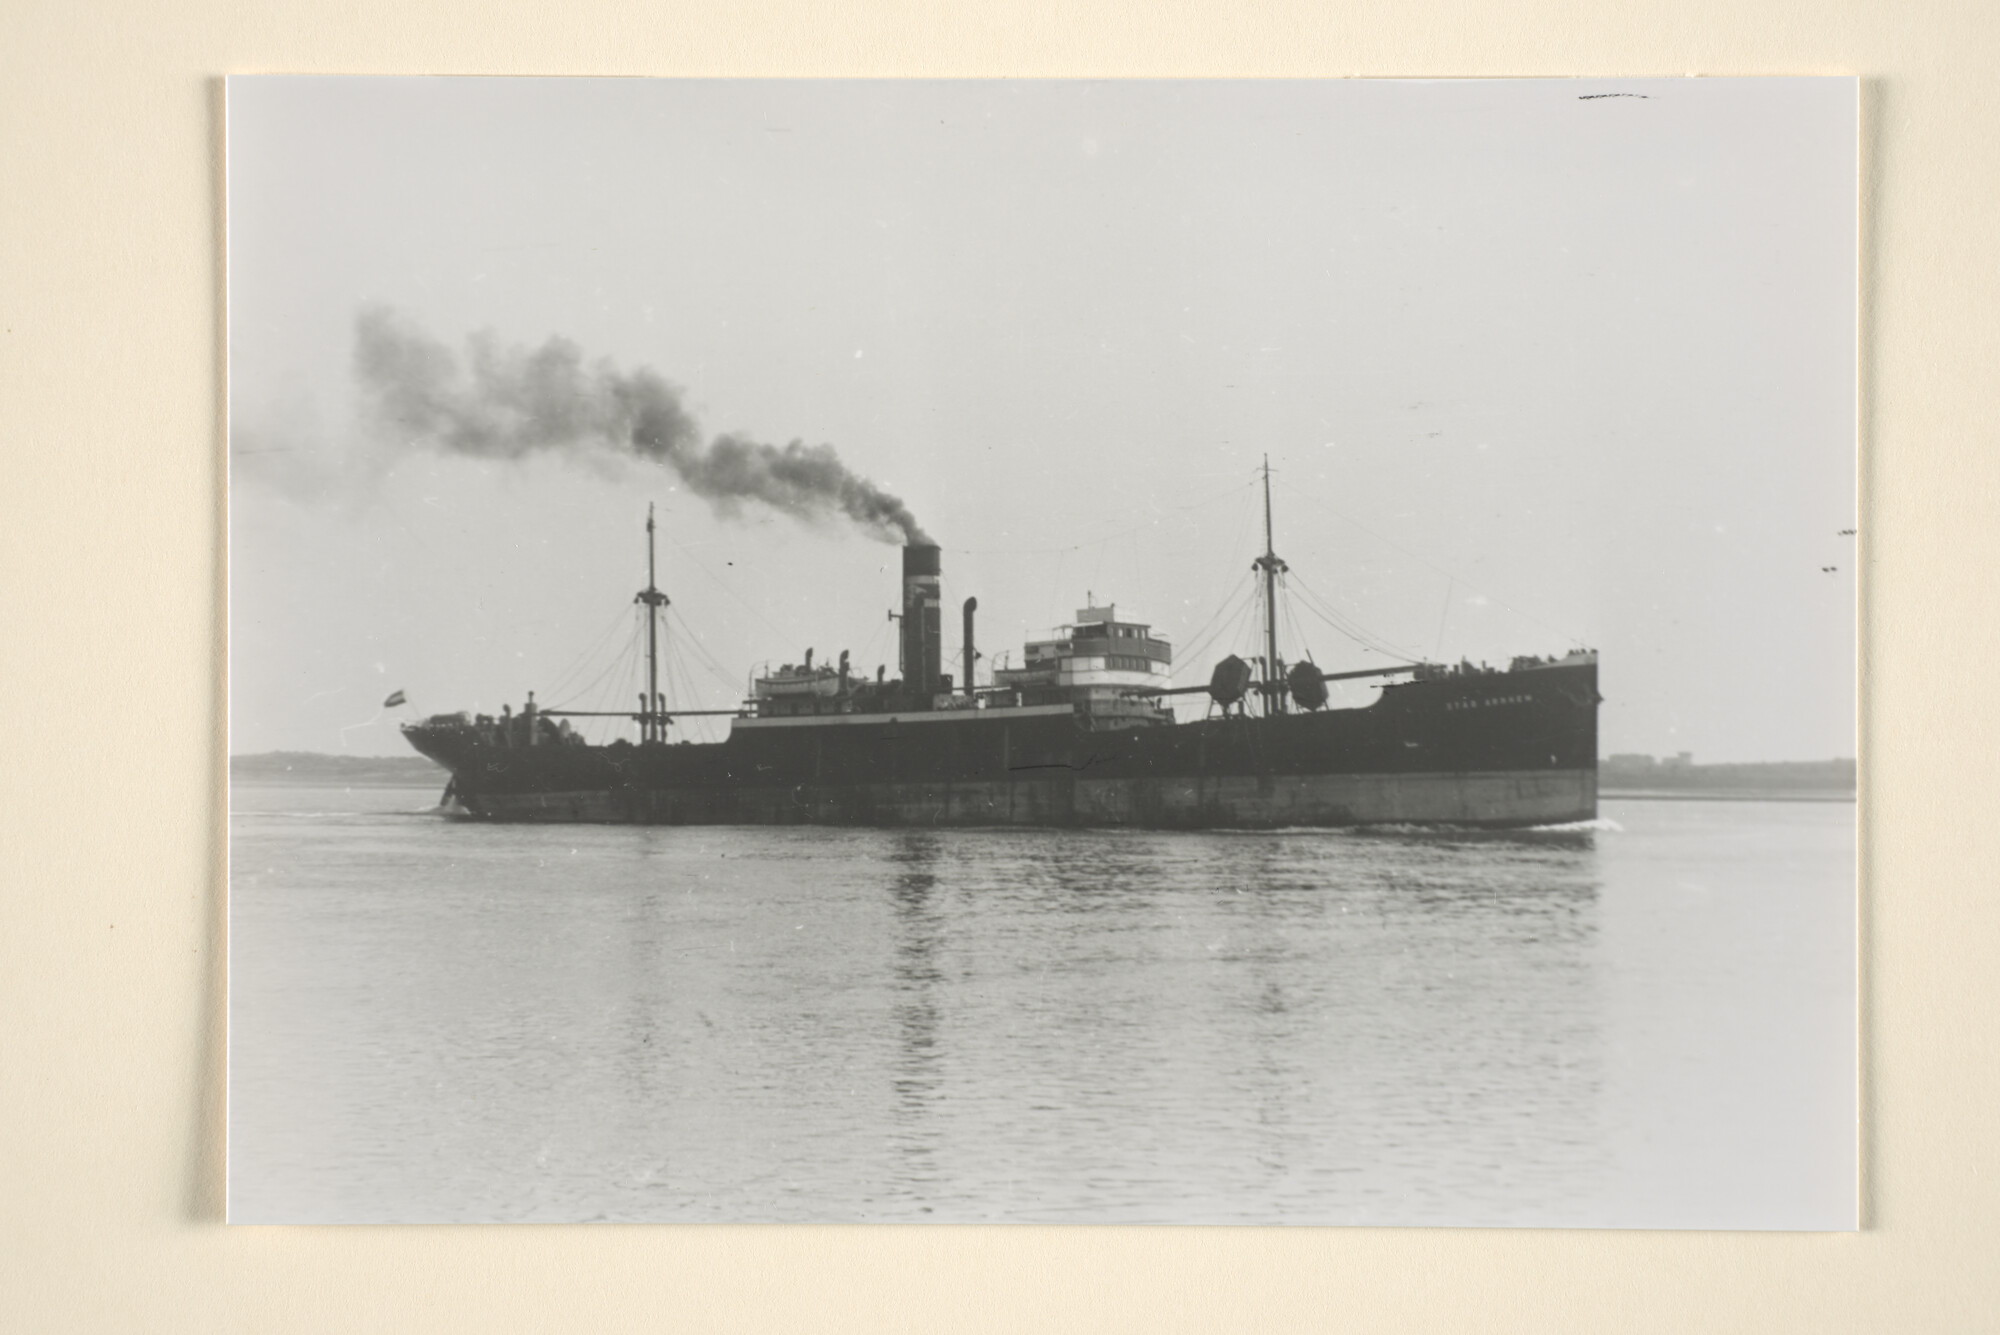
447	1022
645	1003
917	1076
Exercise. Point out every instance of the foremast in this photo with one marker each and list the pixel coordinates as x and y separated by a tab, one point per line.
652	708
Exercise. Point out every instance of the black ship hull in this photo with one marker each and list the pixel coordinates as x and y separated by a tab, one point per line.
1478	748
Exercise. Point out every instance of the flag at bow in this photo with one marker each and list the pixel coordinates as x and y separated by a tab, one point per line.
393	701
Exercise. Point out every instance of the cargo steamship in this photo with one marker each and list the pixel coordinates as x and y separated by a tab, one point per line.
1080	734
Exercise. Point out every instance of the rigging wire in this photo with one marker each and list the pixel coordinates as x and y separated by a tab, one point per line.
1246	525
631	677
686	694
1230	620
680	692
708	661
1354	634
1454	576
583	660
1227	633
1222	605
635	681
1344	626
583	693
1245	578
1222	626
1288	621
1323	607
1191	653
726	588
1220	608
1230	633
615	670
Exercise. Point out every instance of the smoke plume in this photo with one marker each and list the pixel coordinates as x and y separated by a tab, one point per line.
504	402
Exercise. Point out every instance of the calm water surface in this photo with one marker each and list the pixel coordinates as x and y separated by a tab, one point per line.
1646	1024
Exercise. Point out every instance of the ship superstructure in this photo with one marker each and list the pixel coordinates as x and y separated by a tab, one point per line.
1118	670
1080	732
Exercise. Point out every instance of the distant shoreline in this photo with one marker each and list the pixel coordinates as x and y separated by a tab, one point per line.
1646	779
315	768
1719	795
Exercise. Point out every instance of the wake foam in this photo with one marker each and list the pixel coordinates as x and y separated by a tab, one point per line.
1604	823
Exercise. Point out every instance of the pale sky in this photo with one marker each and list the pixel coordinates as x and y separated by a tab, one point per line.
1534	366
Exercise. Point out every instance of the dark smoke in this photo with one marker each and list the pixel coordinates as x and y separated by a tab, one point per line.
504	402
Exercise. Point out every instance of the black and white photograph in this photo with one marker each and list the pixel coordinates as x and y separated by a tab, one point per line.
1055	652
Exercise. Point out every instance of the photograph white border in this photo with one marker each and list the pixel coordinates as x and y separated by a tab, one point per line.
114	919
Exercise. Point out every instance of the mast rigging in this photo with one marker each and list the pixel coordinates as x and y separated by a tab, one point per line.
652	722
1274	692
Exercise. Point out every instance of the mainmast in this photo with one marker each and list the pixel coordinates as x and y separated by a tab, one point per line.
1274	697
652	726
